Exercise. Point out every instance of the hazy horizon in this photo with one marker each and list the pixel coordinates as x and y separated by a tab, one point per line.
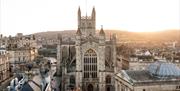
31	16
96	29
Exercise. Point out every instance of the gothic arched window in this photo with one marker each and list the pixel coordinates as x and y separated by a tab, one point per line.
90	64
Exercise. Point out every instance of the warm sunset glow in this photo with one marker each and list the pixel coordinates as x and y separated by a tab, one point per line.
30	16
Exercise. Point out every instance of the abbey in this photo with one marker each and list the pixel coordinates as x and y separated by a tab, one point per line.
88	62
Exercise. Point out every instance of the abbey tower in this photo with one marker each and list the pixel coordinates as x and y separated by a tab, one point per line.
88	62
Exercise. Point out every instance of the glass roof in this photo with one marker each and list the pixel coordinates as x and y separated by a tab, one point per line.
162	69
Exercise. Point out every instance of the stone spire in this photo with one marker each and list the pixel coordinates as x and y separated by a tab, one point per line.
79	13
93	14
101	31
78	31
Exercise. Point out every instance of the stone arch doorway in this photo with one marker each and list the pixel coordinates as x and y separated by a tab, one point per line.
90	87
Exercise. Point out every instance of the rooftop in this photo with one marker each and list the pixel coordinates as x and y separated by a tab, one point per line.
163	69
141	75
2	48
144	78
159	72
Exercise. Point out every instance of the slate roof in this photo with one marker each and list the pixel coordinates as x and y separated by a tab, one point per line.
141	75
144	78
157	73
26	87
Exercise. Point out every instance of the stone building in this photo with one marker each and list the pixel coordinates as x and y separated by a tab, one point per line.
19	55
89	62
3	41
140	60
22	50
159	76
21	40
4	65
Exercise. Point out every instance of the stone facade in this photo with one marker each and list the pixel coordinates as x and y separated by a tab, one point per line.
20	41
160	76
89	62
22	50
3	41
122	85
4	65
22	55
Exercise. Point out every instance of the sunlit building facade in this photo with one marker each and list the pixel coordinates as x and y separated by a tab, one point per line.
159	76
4	65
88	63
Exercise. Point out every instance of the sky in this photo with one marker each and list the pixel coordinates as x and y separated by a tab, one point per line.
31	16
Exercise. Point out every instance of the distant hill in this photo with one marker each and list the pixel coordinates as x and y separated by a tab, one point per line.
53	34
169	35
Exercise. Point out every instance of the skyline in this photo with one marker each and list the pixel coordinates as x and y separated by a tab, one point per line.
31	16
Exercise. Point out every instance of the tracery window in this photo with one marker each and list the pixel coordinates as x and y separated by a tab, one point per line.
90	64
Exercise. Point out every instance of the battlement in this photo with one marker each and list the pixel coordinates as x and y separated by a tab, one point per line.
87	24
86	17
